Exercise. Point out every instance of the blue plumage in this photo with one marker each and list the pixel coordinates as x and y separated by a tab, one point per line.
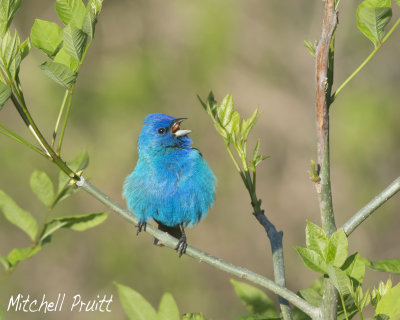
171	183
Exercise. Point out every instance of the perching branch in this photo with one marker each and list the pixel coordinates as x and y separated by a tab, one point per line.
371	207
324	80
171	242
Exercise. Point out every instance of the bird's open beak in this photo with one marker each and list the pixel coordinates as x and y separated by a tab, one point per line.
176	130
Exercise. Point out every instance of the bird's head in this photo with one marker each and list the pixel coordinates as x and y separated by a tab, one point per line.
163	131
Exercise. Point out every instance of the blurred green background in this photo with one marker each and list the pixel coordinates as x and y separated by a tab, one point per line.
155	56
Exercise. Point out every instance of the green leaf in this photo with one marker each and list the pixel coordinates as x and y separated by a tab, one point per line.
71	11
354	267
10	54
256	149
74	41
8	8
389	303
337	249
46	36
64	58
25	48
42	186
361	299
59	73
136	307
312	260
85	221
225	110
311	47
92	11
233	125
4	262
255	300
339	279
313	173
248	124
17	216
222	131
316	239
2	314
79	222
5	94
378	293
313	294
351	308
372	18
390	265
168	310
17	255
398	2
193	316
258	159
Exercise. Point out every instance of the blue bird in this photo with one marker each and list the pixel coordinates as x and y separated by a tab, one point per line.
171	183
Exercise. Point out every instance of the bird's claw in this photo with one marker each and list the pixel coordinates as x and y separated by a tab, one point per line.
181	246
141	225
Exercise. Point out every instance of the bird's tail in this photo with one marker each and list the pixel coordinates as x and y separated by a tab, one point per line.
173	231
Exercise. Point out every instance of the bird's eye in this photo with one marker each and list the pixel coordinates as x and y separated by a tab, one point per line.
161	131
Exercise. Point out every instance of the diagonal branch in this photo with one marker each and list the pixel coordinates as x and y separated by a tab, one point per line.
371	207
171	242
275	239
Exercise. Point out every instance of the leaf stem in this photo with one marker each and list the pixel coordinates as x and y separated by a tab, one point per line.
233	158
343	306
65	120
362	65
49	152
59	118
7	132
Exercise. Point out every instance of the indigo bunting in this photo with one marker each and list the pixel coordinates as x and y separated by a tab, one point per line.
171	183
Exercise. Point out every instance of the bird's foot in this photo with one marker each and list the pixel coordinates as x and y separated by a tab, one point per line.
141	225
182	245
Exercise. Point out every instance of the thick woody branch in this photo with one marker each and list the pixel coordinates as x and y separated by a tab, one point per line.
324	81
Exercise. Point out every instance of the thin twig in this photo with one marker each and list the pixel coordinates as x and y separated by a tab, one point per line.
71	92
371	207
363	64
171	242
7	132
61	111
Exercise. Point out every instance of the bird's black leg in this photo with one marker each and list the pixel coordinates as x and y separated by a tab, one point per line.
182	244
141	225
